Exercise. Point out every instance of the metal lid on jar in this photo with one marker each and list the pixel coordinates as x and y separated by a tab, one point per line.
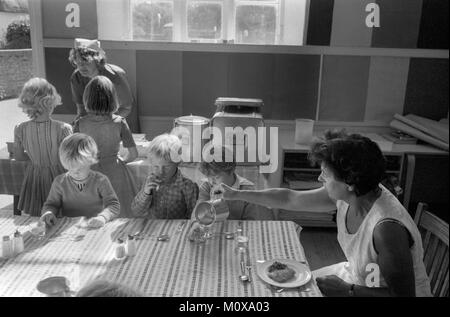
222	101
191	120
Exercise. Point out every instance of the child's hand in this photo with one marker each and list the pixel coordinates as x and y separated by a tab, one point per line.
48	218
151	183
96	222
229	193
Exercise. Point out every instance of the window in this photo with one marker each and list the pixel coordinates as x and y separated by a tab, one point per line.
204	20
257	22
265	22
152	20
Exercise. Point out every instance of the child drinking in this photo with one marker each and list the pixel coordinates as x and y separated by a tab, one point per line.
166	193
80	191
38	140
222	171
108	130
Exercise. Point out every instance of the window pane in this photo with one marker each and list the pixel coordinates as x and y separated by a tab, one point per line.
256	24
204	20
153	20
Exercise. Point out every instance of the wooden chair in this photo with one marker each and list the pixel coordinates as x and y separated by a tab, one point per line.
435	245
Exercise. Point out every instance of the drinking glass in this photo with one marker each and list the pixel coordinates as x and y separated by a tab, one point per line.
242	243
201	234
39	230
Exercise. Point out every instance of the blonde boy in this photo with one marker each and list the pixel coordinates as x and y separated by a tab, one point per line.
166	193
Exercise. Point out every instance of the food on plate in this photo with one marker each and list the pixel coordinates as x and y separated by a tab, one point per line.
280	272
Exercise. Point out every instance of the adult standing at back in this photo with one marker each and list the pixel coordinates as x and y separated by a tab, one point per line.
89	60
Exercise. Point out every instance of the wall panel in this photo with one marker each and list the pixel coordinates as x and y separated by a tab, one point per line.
159	83
344	88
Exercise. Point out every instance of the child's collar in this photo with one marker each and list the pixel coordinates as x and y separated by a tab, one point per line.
175	178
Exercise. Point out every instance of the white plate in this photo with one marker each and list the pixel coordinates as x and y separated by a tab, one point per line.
302	273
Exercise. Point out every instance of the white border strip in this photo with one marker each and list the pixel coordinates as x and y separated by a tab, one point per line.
37	43
264	49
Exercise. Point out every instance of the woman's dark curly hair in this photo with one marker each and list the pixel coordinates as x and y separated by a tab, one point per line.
353	158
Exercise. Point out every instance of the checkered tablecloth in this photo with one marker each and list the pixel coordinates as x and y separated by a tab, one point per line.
176	267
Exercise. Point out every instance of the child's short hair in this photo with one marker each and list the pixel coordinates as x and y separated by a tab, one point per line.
227	163
37	97
162	145
78	149
100	96
105	288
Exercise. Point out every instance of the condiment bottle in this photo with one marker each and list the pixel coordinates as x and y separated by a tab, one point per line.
241	240
18	246
120	249
7	247
131	246
239	232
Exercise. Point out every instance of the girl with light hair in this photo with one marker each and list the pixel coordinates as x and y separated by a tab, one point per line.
38	140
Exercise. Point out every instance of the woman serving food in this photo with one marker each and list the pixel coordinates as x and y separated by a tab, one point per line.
89	60
379	238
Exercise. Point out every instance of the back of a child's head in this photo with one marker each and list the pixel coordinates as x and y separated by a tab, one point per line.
38	96
220	160
163	145
78	149
100	96
105	288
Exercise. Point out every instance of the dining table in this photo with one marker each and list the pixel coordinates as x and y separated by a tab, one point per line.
174	267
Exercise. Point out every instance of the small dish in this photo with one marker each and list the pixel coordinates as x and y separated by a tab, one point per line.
55	286
302	273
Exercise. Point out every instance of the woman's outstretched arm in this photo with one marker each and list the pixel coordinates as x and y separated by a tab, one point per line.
316	200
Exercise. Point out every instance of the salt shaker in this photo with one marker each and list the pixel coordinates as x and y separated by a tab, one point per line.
18	246
239	232
131	246
120	249
7	247
242	240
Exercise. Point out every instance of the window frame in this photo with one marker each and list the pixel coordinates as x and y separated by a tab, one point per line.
228	29
132	3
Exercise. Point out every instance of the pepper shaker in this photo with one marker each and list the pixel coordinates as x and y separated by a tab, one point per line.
7	247
131	246
18	246
120	249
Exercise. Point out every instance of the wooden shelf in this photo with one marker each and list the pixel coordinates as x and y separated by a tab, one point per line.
295	169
